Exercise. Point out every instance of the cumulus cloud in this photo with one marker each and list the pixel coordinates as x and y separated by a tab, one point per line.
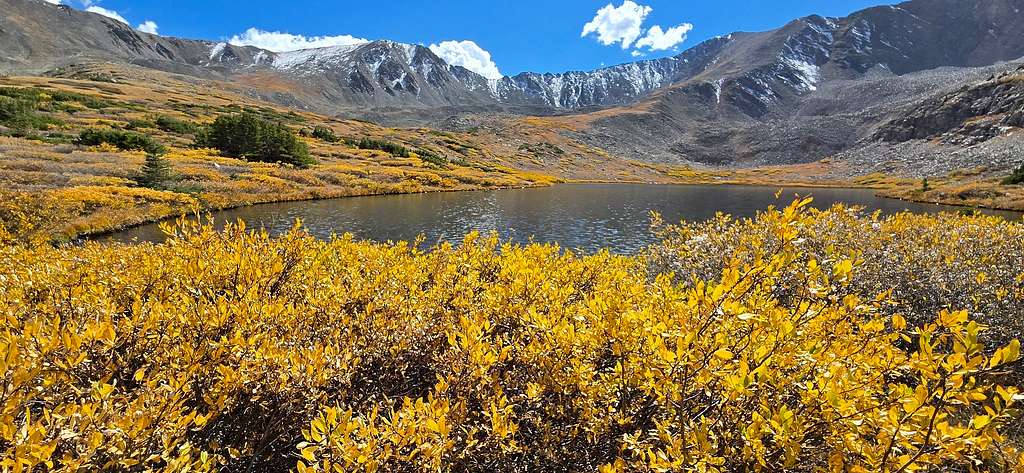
658	40
621	24
279	42
469	55
624	25
107	13
53	2
148	26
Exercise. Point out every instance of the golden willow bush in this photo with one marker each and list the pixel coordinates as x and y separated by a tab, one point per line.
929	262
235	351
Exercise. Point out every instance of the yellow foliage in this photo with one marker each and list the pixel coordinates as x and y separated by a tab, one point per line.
200	154
104	148
240	352
117	196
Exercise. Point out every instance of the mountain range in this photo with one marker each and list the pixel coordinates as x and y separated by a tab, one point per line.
814	88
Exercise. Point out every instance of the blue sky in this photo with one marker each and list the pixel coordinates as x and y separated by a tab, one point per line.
520	35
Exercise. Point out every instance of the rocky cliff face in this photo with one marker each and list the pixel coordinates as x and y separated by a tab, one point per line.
969	115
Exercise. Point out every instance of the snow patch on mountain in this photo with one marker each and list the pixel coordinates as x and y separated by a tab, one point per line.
217	49
313	60
410	52
808	74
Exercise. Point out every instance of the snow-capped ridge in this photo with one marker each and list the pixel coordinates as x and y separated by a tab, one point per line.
313	58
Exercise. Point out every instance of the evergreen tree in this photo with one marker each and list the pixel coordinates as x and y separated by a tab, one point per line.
248	136
324	133
156	173
1016	178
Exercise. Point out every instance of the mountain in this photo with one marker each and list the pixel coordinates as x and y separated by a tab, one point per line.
815	87
608	86
36	37
778	96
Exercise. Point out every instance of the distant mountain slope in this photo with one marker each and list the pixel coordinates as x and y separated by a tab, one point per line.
36	36
783	95
764	97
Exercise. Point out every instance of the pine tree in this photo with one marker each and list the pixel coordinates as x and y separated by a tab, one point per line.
1016	178
253	138
156	173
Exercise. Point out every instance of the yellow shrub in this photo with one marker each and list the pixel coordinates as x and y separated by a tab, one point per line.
266	181
117	196
200	173
104	148
237	351
98	181
201	154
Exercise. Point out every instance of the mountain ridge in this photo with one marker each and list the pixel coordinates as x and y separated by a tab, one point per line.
388	73
723	101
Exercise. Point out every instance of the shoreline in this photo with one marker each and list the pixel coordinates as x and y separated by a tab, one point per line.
950	203
91	235
878	192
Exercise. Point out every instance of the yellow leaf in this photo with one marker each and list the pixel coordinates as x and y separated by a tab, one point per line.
898	322
1011	352
309	453
104	390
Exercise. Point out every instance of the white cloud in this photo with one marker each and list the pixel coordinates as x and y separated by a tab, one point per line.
469	55
279	42
53	2
148	26
107	13
618	24
624	25
658	40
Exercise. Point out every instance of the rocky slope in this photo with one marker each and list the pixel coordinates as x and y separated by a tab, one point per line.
817	86
969	115
36	36
812	88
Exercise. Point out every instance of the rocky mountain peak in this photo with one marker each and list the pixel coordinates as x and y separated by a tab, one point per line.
737	92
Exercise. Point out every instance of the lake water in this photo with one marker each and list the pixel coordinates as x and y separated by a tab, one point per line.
582	216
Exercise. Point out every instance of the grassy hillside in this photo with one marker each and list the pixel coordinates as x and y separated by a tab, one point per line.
43	152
